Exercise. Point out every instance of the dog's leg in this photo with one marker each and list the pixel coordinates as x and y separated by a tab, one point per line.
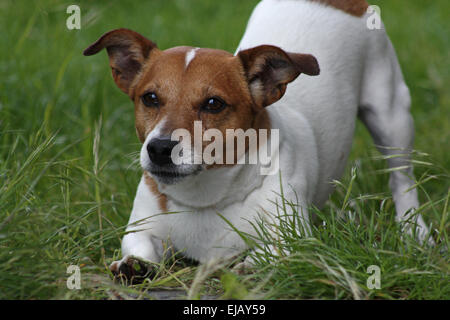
294	218
139	245
384	109
140	252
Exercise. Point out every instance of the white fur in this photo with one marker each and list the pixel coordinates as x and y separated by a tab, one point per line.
155	133
316	118
190	55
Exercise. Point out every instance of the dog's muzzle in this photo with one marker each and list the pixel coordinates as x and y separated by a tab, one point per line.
161	166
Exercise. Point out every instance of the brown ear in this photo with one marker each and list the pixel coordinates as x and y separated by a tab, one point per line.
269	69
127	51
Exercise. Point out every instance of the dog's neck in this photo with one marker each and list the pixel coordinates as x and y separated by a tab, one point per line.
215	188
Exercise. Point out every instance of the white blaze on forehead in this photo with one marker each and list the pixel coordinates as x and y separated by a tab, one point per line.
190	55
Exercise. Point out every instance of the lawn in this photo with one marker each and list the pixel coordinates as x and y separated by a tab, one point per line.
69	169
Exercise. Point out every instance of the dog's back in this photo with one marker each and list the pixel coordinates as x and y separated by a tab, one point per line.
360	75
328	102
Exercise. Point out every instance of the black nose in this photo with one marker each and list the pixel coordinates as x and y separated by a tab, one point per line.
160	150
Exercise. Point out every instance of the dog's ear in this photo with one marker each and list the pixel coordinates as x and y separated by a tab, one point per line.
269	69
127	51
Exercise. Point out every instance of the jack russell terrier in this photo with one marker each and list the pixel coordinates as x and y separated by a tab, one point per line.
191	205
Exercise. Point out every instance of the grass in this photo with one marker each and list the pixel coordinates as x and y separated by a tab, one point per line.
68	169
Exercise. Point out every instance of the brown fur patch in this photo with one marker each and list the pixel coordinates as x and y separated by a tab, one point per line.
354	7
162	198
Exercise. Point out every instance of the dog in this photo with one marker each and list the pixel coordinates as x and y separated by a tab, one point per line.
190	206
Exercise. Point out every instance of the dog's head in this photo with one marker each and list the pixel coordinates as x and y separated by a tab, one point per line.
172	89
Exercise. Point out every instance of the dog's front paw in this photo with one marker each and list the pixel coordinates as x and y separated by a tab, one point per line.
132	269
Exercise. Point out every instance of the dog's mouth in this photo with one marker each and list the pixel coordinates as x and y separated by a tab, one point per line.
168	177
172	175
169	174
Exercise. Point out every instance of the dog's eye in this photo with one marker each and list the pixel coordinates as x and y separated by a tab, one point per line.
150	99
214	105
